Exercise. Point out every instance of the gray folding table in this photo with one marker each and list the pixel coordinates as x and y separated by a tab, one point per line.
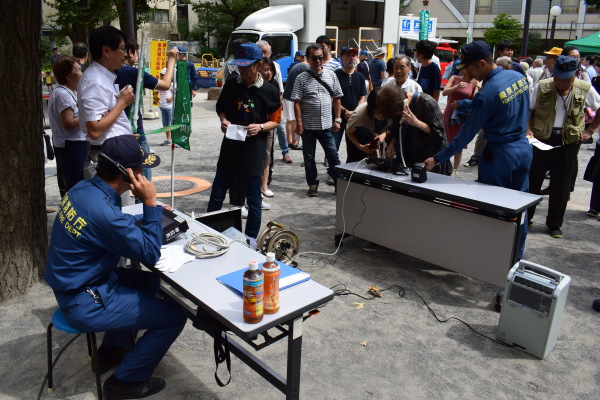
196	281
464	226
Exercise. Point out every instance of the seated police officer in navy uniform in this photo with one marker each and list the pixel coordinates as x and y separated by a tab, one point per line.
89	236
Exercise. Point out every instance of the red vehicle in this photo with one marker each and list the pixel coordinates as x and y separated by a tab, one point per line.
444	52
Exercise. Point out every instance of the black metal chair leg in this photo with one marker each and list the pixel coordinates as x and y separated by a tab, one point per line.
89	345
92	339
49	353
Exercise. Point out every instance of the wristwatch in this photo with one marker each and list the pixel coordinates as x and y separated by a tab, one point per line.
338	120
262	127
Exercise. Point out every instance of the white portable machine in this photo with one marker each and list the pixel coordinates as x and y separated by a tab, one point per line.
532	308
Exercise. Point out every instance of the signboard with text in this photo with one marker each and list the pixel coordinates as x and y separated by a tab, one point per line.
158	61
411	26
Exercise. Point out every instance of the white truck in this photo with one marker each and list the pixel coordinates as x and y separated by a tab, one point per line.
291	25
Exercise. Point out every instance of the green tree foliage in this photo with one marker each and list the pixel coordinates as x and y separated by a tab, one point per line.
46	48
218	18
505	28
593	3
535	44
76	19
142	12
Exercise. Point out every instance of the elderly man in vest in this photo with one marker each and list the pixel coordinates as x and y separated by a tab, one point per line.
557	119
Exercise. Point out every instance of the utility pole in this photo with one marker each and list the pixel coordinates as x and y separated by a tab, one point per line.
129	15
525	39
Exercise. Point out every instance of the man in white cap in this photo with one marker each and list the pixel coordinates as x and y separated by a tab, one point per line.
377	68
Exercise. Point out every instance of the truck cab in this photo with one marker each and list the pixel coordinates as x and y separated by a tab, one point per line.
277	25
283	45
291	25
445	53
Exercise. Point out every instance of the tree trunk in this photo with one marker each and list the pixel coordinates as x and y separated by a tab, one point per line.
23	235
80	34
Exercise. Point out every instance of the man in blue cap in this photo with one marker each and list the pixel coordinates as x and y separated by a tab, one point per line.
248	107
363	65
298	58
558	119
192	74
501	109
89	236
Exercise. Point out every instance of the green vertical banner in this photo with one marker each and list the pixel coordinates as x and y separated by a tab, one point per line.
182	112
424	25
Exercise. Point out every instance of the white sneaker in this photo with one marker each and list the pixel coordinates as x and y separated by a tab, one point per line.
244	212
265	206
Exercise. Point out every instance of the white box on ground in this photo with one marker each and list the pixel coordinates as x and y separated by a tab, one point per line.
532	307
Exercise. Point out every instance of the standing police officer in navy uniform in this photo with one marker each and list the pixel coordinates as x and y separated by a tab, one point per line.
501	109
89	236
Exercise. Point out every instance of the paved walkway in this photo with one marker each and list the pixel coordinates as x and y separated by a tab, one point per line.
409	355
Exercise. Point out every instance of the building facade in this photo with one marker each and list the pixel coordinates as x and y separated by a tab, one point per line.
456	19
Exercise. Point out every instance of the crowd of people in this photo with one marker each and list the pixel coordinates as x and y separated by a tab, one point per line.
385	109
530	117
325	97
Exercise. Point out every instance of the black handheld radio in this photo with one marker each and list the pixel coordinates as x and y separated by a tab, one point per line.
116	164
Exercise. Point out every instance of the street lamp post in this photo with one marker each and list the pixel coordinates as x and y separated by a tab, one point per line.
548	22
555	12
525	39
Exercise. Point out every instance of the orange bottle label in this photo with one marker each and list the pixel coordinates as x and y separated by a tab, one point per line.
271	297
253	299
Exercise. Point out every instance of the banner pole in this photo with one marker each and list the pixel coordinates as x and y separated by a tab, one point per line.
139	88
172	141
172	175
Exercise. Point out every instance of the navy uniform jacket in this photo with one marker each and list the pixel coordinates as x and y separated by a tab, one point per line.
500	108
91	233
128	76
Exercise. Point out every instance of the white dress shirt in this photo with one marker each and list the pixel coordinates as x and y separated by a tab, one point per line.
97	94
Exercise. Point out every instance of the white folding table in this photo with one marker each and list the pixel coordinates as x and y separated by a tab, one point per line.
464	226
196	281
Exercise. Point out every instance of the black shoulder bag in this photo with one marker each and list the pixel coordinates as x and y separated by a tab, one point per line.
326	86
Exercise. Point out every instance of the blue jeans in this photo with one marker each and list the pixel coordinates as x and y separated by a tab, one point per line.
167	116
128	303
282	139
143	142
309	144
339	135
222	182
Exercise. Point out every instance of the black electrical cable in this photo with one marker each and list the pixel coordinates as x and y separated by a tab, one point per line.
39	396
402	293
343	291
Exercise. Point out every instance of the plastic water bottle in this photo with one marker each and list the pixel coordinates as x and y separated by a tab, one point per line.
271	272
253	294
